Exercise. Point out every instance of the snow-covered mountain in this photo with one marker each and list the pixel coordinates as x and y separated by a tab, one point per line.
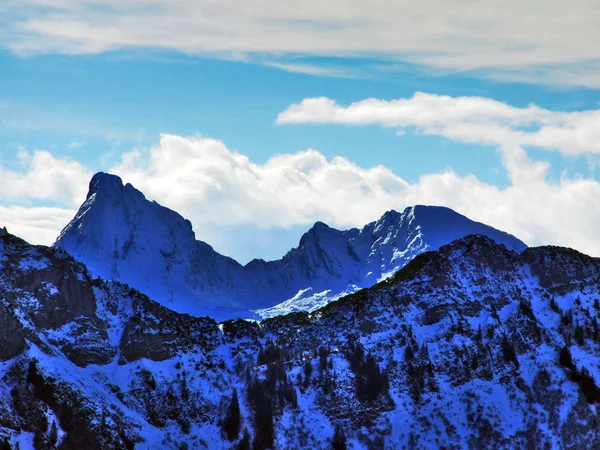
472	346
120	235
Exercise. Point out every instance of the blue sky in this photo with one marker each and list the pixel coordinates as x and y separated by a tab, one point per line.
92	93
108	103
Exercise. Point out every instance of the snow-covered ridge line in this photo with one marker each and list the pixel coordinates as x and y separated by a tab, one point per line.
121	235
469	346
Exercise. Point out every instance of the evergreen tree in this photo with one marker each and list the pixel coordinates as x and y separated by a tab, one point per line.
323	355
565	359
5	444
308	368
231	424
579	335
595	331
424	351
474	361
263	422
371	381
262	407
479	335
244	443
408	353
260	358
355	355
289	392
39	440
53	437
566	318
339	439
185	392
508	350
588	385
307	372
525	309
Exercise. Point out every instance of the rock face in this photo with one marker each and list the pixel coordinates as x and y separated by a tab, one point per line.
48	298
156	333
469	346
12	340
120	235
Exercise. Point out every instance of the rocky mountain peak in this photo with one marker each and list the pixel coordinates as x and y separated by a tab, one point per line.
121	235
320	237
105	183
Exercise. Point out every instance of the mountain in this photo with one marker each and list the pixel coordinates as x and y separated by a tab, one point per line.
469	346
120	235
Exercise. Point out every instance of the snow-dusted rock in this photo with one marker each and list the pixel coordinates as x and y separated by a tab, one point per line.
467	343
120	235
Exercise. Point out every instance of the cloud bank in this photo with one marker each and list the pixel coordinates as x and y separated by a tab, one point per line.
40	198
215	186
38	225
463	119
44	177
550	41
224	192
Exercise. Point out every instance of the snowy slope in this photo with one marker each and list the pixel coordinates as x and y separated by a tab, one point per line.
120	235
380	249
468	340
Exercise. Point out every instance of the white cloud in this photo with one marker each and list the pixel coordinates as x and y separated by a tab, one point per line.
586	74
463	119
39	225
41	179
508	38
204	180
224	192
44	177
313	69
218	188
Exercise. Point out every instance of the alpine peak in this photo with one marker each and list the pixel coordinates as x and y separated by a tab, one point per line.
121	235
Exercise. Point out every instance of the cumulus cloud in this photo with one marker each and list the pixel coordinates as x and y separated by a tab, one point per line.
35	224
216	187
41	179
203	179
508	38
224	192
44	177
463	119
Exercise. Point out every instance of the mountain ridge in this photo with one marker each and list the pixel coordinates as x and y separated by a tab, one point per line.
448	351
121	235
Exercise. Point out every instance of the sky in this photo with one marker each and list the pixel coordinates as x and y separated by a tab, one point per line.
257	119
